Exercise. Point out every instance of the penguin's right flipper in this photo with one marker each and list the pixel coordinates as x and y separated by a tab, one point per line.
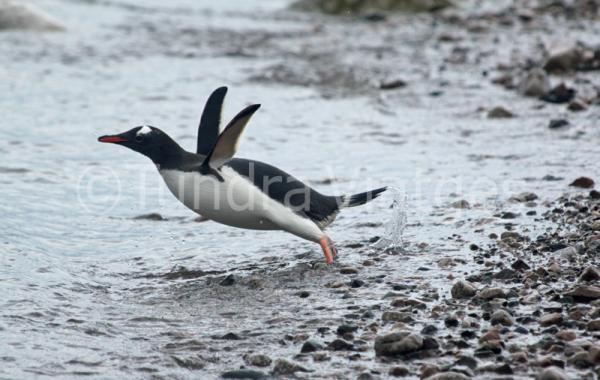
210	121
226	146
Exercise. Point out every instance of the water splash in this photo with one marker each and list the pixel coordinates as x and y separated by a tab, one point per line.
395	226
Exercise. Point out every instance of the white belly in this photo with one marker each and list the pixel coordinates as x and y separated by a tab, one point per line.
231	202
235	202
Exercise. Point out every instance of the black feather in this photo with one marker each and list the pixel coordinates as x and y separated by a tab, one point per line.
208	130
362	198
287	190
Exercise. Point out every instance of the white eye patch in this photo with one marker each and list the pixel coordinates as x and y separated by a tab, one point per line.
145	130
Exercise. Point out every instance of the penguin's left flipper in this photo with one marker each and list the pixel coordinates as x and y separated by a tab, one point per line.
210	121
226	146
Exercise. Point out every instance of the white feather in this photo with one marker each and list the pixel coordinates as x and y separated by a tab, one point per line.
144	130
236	202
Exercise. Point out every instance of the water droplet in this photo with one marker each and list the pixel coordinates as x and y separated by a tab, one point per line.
394	228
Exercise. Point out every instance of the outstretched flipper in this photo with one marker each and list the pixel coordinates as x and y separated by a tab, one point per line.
208	130
226	146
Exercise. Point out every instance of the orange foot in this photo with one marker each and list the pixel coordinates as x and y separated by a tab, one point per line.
329	249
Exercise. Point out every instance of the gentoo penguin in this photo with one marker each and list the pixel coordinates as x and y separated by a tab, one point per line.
239	192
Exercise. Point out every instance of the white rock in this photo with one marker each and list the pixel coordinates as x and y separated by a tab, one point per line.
552	373
535	83
19	15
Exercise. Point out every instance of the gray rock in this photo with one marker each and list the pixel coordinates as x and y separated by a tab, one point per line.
503	369
396	316
508	215
392	84
398	371
365	376
580	359
583	182
463	289
16	15
461	204
569	253
577	105
551	319
340	345
228	280
429	330
451	321
244	374
565	58
511	236
584	293
535	83
231	336
559	94
524	197
408	302
501	317
348	270
191	362
499	113
550	177
462	369
594	325
311	346
566	335
594	354
520	264
259	360
430	343
589	274
558	123
451	375
505	274
286	367
428	370
491	293
397	343
552	373
344	329
152	216
320	356
491	335
531	298
345	7
375	17
467	361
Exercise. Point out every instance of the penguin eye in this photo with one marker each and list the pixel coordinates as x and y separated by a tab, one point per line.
139	138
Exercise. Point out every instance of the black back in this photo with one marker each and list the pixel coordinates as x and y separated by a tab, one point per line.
287	190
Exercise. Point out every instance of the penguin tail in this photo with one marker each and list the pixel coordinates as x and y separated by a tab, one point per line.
360	198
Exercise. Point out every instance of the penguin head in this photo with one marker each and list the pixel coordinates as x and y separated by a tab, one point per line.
147	140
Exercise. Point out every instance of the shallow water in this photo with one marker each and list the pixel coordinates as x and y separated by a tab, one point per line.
87	287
